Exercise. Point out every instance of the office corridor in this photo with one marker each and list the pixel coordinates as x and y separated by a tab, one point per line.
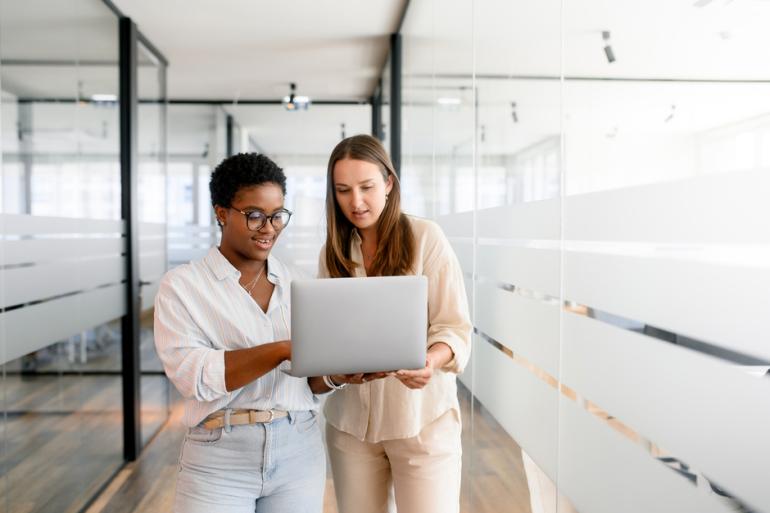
147	485
600	170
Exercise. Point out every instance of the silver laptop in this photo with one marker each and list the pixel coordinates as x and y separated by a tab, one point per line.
352	325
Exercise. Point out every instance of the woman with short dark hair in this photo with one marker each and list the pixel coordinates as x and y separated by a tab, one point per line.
222	332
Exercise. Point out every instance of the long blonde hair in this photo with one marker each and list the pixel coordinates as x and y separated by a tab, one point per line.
395	242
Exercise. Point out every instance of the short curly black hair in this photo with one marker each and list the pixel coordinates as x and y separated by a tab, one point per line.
243	170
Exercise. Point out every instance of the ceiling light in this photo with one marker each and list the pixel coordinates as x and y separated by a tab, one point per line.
293	101
104	97
607	48
448	101
704	3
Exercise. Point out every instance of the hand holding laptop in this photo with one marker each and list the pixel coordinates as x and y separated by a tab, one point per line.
439	355
358	379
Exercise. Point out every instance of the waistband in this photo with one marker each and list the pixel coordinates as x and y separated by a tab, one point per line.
228	417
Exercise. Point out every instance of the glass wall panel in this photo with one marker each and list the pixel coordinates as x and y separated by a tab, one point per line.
439	144
417	116
517	272
605	190
193	150
61	262
665	262
153	212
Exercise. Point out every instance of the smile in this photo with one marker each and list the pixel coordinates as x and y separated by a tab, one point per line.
265	243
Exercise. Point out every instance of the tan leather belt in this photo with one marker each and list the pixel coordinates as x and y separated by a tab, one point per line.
242	418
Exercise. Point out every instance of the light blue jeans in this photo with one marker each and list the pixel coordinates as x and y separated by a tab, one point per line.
264	468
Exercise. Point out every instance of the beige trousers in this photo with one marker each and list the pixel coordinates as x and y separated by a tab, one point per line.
424	470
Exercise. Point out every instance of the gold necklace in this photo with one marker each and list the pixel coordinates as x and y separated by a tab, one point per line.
253	283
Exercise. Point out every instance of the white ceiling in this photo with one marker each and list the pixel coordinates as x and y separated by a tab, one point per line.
254	49
334	50
51	30
651	38
312	132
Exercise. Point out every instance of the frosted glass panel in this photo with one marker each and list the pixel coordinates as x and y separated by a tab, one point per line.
534	220
529	268
723	305
604	472
30	328
722	209
523	404
683	402
529	327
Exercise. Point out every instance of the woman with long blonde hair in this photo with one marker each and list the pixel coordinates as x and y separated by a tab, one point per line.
400	428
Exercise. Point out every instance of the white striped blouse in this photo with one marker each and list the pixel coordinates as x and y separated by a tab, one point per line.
201	311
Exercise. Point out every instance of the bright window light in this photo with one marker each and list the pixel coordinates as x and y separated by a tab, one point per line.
104	98
448	101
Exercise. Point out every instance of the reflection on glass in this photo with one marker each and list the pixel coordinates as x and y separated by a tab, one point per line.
482	135
153	213
61	391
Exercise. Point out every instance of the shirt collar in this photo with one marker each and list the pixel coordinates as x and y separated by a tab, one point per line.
222	268
274	273
356	253
355	237
219	265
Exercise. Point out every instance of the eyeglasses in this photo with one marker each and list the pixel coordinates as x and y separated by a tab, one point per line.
256	219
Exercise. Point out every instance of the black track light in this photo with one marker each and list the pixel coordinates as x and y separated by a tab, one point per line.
294	101
607	48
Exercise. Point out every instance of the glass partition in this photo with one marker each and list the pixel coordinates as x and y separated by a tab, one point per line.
193	151
665	257
153	246
61	255
601	170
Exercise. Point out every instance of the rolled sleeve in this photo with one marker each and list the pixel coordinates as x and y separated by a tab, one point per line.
448	315
195	368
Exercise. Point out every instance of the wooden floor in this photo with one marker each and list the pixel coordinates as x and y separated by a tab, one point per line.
493	474
62	438
61	427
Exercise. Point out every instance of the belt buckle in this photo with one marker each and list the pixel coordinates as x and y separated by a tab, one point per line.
272	416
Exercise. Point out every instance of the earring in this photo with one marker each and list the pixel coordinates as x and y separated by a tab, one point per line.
386	197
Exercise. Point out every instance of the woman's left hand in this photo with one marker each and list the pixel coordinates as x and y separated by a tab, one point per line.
438	356
415	379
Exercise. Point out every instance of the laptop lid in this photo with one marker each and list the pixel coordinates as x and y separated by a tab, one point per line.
352	325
